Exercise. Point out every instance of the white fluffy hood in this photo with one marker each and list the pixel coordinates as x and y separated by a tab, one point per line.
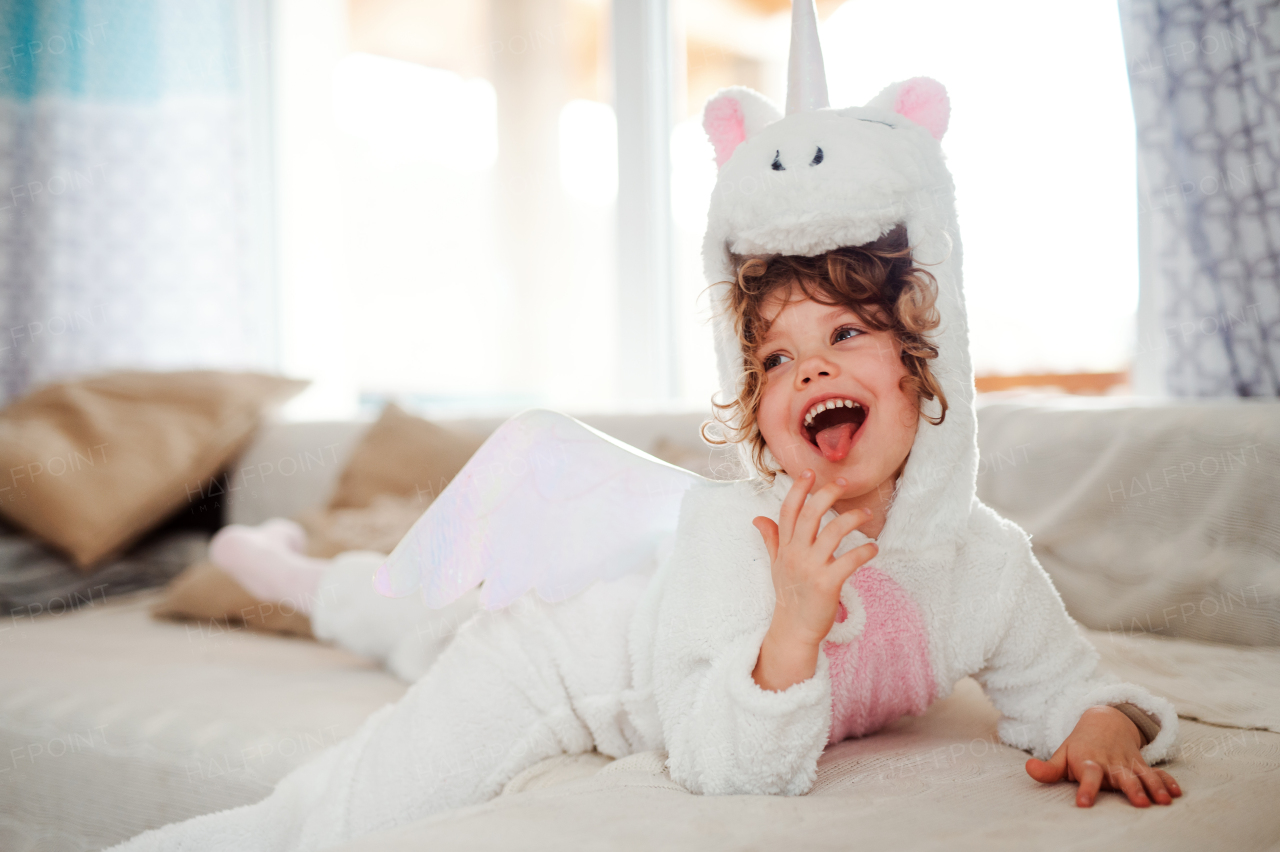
881	165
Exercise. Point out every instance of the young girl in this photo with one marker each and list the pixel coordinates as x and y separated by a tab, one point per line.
874	579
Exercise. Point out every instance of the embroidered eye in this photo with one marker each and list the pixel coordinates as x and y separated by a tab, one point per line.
777	163
873	121
817	158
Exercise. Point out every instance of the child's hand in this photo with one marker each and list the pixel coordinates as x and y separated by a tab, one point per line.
806	579
1104	751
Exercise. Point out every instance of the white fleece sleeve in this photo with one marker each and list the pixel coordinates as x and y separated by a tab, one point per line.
1040	671
724	734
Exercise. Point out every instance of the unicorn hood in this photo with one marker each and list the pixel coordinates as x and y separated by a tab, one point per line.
819	178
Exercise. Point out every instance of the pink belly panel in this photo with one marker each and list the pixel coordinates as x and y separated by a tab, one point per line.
884	673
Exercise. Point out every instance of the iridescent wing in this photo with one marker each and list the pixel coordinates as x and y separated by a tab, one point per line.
546	503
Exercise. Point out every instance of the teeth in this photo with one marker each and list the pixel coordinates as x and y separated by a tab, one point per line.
823	406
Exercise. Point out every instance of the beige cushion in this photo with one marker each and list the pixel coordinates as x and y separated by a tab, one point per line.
90	464
405	456
378	526
206	593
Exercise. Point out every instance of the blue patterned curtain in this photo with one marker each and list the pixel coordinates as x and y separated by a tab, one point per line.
134	213
1205	78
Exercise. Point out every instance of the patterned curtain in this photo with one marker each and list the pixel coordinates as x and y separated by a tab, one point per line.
134	205
1205	79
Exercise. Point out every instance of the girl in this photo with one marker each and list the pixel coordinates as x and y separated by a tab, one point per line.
876	579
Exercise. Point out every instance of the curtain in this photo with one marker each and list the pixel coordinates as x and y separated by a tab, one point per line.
1205	80
134	188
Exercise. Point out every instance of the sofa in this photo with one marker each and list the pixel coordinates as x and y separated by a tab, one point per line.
113	721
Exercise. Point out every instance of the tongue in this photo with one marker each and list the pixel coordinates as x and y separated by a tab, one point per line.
834	441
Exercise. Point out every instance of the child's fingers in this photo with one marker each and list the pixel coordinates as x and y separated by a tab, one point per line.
1155	786
1046	771
806	529
769	532
853	560
1169	783
1128	783
833	533
791	505
1090	782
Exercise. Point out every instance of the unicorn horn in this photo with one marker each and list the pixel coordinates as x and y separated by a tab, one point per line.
806	77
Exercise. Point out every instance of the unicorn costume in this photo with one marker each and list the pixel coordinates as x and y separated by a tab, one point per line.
636	623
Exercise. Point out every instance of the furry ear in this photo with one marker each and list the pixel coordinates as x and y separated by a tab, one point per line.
733	115
921	99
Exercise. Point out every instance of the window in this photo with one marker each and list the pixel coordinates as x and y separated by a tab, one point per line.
1041	146
448	179
451	188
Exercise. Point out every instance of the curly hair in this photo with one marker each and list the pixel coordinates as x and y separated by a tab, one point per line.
878	281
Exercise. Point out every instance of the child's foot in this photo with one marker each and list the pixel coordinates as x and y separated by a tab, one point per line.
269	561
286	532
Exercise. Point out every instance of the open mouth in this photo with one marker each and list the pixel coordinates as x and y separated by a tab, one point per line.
830	426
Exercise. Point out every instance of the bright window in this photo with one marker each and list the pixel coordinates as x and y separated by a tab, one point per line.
1041	145
449	181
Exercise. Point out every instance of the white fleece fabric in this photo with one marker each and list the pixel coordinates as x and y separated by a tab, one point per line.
513	687
992	613
400	633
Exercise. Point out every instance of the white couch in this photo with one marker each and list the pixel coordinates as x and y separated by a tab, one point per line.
112	722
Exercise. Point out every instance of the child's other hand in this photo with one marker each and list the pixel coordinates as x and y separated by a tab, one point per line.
806	577
1103	751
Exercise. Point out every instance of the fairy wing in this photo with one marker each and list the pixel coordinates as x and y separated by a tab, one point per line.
546	503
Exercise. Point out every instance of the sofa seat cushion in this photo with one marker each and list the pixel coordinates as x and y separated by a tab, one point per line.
113	722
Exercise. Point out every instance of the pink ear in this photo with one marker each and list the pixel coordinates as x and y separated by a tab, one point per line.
924	101
725	126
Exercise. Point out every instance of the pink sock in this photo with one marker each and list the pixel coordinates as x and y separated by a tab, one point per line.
286	532
269	561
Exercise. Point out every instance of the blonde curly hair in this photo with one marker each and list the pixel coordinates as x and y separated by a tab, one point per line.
878	281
